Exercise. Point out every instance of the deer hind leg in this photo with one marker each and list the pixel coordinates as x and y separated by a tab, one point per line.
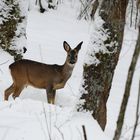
51	95
8	92
17	91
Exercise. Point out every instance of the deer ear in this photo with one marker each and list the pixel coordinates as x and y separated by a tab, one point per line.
66	46
79	46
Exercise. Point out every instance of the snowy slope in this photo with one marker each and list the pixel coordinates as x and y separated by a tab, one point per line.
30	117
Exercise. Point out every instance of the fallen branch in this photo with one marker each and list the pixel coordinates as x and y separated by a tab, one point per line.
45	115
84	132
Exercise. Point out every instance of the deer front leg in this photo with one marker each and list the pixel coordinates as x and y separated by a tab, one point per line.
51	95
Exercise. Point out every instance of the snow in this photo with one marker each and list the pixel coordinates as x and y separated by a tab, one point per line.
25	119
118	87
95	45
4	11
30	116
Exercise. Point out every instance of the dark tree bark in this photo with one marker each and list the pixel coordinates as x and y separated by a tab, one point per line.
97	77
11	18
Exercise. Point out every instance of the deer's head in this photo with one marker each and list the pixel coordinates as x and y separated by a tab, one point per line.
72	54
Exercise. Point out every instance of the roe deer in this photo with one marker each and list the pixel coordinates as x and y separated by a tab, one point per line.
50	77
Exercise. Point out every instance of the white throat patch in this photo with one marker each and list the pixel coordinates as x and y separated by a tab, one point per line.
71	65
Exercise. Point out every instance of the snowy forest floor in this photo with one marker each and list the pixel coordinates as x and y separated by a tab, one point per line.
29	116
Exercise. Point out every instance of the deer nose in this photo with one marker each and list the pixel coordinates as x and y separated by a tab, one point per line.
72	61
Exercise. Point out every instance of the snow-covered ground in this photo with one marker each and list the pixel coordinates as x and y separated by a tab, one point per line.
29	116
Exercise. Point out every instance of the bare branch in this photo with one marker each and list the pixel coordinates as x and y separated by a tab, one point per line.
80	16
4	62
86	7
62	135
46	121
41	125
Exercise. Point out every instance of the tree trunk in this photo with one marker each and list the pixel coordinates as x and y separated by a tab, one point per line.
102	55
127	89
11	28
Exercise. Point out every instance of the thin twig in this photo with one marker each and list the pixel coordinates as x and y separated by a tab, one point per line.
62	135
46	121
83	7
50	120
70	87
64	123
57	126
129	129
85	10
41	126
4	62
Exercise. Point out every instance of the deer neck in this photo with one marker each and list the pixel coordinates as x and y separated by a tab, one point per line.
67	69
